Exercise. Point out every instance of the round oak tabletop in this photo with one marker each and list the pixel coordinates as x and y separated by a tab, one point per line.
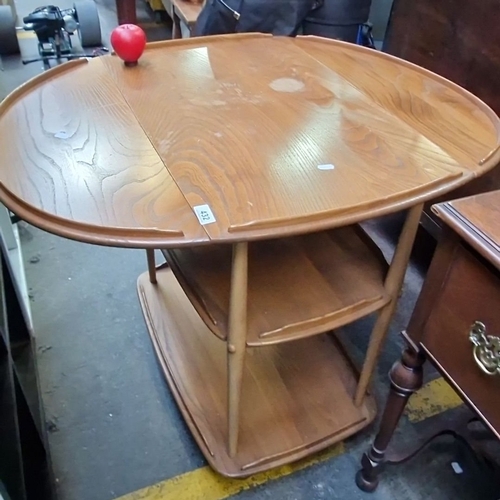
233	138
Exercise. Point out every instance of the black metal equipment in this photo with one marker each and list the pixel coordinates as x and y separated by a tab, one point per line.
54	28
49	24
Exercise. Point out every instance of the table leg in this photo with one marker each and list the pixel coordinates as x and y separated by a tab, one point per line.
393	284
150	253
176	25
126	11
236	342
406	378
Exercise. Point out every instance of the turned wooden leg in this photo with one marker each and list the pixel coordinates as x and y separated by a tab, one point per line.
236	341
406	378
150	253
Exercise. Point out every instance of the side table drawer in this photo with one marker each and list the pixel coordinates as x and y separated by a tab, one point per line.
471	292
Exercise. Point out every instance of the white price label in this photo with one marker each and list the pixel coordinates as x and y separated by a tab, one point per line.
62	134
204	214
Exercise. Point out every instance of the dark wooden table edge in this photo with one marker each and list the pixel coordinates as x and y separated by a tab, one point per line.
478	240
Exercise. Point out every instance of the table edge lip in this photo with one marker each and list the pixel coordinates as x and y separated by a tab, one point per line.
130	237
136	237
468	231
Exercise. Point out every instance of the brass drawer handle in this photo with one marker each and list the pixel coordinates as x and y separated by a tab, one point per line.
486	349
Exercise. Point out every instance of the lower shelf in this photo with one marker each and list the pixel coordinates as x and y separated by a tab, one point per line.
297	287
297	397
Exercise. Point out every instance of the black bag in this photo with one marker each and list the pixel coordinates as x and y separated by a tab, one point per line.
279	17
341	19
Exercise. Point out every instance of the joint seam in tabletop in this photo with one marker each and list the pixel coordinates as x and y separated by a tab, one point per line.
345	213
152	144
126	237
383	111
419	69
68	227
453	172
253	230
492	153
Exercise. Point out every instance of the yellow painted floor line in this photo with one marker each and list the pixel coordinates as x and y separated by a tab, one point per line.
26	34
433	398
205	484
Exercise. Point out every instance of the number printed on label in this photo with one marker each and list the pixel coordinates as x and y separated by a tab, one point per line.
204	214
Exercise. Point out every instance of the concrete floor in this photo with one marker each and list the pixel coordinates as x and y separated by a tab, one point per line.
113	425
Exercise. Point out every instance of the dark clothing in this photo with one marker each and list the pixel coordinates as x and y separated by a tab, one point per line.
341	19
279	17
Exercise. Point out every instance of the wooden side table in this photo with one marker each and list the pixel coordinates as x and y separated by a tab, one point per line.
455	324
249	160
182	11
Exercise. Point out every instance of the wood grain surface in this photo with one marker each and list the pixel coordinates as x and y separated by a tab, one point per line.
428	104
470	292
297	397
121	156
460	288
297	287
476	218
459	40
73	150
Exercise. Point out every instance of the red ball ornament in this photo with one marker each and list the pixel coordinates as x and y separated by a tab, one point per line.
128	41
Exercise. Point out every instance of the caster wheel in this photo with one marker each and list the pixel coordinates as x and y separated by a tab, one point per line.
363	484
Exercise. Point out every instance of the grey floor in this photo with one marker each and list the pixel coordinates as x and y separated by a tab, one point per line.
113	424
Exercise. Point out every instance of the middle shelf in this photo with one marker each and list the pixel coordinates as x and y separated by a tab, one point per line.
297	287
